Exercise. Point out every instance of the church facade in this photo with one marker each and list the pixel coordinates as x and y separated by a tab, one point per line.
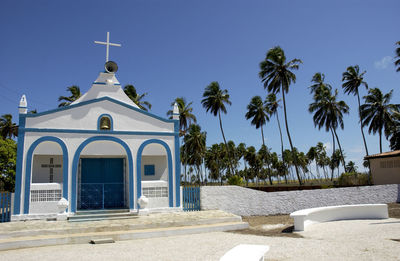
101	152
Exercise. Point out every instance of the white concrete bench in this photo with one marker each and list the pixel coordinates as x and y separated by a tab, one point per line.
245	252
303	218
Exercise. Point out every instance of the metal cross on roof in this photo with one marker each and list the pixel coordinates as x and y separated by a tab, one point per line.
107	44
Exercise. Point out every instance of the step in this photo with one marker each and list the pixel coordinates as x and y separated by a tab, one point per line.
91	216
101	211
95	227
80	238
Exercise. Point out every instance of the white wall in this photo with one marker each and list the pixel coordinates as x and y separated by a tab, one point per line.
73	140
42	207
103	148
85	118
249	202
41	174
160	165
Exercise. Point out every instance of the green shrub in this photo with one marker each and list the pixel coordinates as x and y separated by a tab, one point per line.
353	179
235	180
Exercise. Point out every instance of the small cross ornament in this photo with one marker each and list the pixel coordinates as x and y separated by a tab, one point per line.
107	44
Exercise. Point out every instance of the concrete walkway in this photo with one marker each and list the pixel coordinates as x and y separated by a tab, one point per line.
341	240
14	235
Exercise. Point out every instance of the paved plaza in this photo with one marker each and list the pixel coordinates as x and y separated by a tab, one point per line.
340	240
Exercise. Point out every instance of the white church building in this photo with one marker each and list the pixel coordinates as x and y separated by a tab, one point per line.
101	152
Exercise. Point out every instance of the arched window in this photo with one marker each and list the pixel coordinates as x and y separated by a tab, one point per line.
105	122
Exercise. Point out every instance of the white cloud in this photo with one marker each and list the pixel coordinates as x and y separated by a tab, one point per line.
328	147
383	63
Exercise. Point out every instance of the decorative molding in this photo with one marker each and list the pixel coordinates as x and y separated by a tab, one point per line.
99	100
20	157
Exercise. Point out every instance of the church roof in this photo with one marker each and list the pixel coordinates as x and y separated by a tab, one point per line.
106	85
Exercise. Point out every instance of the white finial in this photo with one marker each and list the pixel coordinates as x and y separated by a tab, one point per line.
107	44
175	112
23	105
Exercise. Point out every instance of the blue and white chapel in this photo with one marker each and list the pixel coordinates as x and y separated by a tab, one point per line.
101	152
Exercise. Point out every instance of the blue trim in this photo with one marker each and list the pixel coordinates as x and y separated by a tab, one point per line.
20	156
28	168
177	166
76	161
104	83
111	122
151	133
139	169
22	107
99	100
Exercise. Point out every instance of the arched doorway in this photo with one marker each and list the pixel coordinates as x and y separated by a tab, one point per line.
102	175
154	173
46	177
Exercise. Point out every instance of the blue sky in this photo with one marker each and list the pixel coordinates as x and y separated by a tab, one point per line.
176	48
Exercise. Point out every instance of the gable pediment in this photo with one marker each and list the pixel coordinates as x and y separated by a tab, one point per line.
85	116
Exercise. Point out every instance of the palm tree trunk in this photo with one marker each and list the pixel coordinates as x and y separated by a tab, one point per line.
226	145
333	152
341	151
380	140
361	123
362	132
262	135
280	132
290	139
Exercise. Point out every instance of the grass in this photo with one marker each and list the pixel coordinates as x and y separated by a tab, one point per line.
268	225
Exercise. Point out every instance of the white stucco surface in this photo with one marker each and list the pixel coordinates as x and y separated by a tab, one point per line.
160	166
44	207
74	125
42	174
249	202
85	118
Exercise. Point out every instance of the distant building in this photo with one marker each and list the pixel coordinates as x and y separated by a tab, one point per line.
385	167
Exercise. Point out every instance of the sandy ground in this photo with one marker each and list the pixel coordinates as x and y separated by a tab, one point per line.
340	240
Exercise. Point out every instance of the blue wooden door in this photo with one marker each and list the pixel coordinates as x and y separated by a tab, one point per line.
102	183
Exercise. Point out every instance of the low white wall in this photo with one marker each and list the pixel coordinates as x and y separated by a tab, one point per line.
44	206
249	202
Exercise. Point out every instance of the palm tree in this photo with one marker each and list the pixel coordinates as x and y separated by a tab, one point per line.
75	94
8	129
277	75
376	112
397	62
319	83
272	105
321	158
195	141
258	113
328	113
130	91
395	132
214	100
352	79
312	156
186	117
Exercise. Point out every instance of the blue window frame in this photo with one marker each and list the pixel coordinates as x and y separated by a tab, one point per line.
149	170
